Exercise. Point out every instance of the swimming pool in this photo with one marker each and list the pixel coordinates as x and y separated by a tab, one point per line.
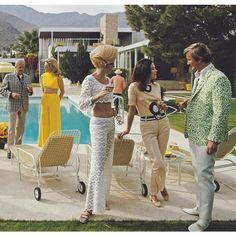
71	118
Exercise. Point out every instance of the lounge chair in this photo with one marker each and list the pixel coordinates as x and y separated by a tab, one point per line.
224	149
60	149
127	153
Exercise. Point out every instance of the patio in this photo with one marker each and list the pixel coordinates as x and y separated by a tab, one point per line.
60	201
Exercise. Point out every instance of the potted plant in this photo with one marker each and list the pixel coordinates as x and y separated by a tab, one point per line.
3	134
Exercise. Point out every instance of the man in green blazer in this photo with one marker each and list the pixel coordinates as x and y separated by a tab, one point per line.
206	127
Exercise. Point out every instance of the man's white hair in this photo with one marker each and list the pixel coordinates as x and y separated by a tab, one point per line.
20	62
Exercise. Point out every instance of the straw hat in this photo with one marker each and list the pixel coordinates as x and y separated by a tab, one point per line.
118	72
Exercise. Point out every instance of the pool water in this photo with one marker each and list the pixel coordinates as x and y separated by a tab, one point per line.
71	118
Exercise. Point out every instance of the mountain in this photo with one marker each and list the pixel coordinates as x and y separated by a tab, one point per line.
15	19
7	34
67	19
10	27
16	22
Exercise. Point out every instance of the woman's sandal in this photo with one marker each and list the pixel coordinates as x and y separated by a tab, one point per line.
154	200
165	194
84	217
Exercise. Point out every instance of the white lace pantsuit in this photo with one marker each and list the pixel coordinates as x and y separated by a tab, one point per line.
102	138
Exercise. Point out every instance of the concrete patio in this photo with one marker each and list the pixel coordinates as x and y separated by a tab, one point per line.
60	201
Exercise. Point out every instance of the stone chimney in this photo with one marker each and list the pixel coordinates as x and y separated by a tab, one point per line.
109	29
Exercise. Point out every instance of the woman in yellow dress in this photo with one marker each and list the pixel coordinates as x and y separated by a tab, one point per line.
50	117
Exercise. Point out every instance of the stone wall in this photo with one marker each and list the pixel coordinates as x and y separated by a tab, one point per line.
109	29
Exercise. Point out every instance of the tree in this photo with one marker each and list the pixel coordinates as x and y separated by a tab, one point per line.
26	43
170	28
27	46
76	66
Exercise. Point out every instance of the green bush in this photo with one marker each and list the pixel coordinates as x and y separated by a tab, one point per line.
75	66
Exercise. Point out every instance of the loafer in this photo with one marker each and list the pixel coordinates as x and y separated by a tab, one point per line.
199	226
191	211
9	155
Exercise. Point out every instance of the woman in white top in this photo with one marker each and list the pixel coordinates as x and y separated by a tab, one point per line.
145	96
96	100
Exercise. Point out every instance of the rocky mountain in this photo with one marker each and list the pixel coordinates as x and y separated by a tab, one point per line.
10	27
7	34
15	19
67	19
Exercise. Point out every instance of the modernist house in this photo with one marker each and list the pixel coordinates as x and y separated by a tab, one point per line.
63	39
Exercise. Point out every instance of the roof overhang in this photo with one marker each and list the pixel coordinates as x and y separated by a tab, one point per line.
73	32
134	46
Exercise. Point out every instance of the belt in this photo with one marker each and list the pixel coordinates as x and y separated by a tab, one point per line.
150	118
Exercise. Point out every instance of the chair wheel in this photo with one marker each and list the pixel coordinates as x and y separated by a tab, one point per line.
217	186
37	193
81	187
144	190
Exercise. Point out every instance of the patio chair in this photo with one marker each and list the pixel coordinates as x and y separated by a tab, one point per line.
224	149
60	149
127	153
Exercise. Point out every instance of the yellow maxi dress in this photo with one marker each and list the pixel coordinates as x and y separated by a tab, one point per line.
50	117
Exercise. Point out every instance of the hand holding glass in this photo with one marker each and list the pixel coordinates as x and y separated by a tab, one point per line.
30	90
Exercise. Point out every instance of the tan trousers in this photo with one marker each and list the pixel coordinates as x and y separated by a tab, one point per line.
155	136
16	127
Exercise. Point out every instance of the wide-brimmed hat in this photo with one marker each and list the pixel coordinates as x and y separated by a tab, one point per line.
118	72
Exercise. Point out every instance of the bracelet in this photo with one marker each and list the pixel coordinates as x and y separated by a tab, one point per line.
91	101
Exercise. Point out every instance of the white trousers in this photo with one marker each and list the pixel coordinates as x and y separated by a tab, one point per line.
203	167
102	132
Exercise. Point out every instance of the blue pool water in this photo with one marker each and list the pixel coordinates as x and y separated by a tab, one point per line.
71	118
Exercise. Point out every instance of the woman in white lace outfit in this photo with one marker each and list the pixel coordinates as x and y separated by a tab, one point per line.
96	100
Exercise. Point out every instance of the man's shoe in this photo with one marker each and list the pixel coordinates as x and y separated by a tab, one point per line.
9	155
199	226
191	211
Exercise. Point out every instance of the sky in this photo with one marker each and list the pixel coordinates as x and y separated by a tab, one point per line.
93	7
91	10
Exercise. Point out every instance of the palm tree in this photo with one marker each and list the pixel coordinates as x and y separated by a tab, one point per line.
26	43
27	46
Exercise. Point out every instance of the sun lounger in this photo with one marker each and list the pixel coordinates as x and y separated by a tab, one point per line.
60	149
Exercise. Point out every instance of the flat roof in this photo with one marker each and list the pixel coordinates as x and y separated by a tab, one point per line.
133	46
45	32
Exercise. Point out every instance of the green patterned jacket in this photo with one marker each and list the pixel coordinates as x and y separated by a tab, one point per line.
208	109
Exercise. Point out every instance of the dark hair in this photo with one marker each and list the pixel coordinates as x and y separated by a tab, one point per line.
142	72
199	51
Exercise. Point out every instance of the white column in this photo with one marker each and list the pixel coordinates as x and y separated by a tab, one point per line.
58	58
135	56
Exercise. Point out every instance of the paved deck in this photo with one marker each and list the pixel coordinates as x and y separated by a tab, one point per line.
61	202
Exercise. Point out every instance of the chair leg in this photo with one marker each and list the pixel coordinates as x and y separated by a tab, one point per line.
126	173
19	170
179	173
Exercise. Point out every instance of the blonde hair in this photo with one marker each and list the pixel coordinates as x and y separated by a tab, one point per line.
53	65
199	51
103	55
